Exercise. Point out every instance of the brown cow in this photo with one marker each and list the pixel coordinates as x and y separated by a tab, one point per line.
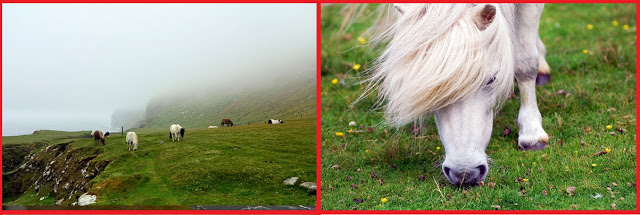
226	122
97	135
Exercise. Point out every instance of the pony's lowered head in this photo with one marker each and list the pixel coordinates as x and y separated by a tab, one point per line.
454	61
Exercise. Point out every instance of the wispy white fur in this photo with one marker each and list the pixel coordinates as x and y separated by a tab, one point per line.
436	56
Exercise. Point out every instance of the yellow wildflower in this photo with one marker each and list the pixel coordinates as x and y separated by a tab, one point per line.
589	26
615	23
351	130
384	200
607	150
625	27
525	179
334	81
585	51
594	165
609	127
534	163
367	151
438	148
339	134
362	40
356	67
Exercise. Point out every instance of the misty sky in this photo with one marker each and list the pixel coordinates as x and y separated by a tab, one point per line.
69	66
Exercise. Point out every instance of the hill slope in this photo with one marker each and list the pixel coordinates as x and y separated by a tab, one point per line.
286	101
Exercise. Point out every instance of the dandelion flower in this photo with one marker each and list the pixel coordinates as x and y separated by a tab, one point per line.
625	27
339	134
609	127
589	26
615	23
438	148
607	150
334	81
356	67
585	51
362	40
384	200
525	179
594	165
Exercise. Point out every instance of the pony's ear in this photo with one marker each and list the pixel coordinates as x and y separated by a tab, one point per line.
484	17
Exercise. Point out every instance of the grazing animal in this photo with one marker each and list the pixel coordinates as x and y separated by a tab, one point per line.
98	136
226	122
213	126
458	62
92	132
275	121
174	130
106	134
132	140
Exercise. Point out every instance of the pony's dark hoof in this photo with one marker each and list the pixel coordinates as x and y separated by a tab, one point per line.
534	147
543	79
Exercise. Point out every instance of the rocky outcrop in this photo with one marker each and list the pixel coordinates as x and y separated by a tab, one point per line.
56	170
310	186
290	181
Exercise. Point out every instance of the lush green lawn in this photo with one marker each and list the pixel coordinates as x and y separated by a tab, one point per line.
600	91
242	165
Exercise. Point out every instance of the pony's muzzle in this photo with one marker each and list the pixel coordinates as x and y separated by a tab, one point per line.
464	176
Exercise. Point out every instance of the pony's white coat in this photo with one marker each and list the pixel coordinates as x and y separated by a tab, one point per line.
458	62
132	140
175	131
212	126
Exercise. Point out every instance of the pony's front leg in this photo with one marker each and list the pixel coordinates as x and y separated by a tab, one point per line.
531	135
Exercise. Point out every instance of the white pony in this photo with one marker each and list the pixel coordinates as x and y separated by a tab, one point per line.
275	121
174	130
458	62
132	139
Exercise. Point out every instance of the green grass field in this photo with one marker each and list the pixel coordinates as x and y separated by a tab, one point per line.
600	91
242	165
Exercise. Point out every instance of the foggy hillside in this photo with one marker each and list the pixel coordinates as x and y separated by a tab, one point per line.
291	97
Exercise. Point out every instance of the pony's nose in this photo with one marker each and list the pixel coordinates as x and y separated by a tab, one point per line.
470	176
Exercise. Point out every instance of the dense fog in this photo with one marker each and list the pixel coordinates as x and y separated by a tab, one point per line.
70	66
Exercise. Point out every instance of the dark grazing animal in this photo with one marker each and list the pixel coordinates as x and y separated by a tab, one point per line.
226	122
98	136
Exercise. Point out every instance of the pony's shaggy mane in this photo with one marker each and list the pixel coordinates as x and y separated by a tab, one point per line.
436	56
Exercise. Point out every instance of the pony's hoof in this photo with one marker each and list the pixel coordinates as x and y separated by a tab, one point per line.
534	147
543	79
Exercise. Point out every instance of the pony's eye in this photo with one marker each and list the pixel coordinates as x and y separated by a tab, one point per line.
491	80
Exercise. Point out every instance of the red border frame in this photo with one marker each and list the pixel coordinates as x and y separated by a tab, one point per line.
318	209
